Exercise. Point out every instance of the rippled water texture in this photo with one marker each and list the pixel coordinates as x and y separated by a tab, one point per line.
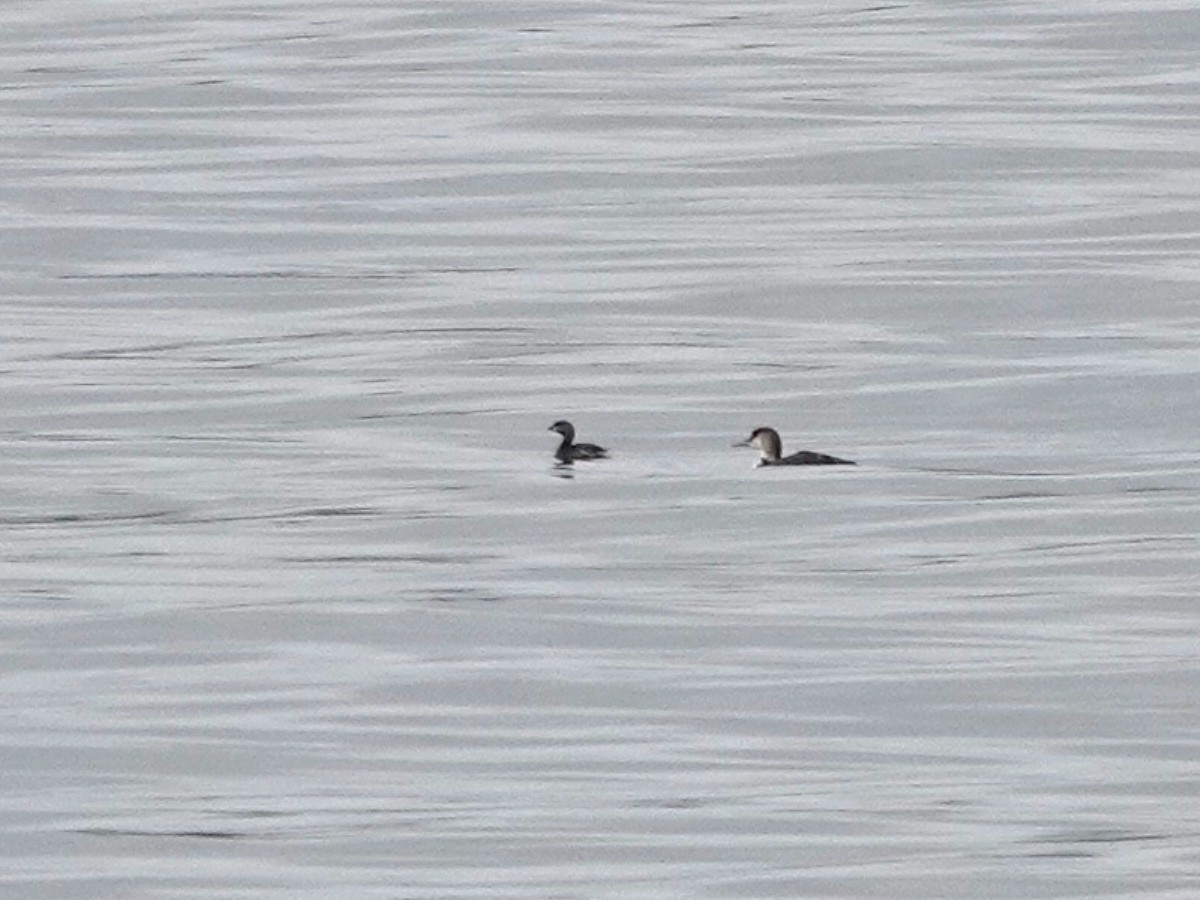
295	603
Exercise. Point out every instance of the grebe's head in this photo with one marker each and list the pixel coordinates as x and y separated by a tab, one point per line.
565	428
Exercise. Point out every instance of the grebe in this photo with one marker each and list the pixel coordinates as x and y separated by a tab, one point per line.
568	451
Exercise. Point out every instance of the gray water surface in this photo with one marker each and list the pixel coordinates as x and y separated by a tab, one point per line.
295	602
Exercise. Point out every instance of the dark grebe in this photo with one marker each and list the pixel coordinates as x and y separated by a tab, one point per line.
771	449
568	451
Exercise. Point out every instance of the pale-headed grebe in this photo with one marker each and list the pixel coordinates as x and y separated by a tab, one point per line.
770	447
568	451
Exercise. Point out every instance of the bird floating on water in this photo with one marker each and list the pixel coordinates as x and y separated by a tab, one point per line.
770	448
568	451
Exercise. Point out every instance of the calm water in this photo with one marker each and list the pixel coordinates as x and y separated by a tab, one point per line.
295	604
